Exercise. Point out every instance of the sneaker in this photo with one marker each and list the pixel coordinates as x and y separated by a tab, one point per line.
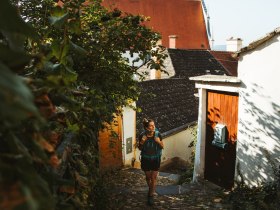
150	200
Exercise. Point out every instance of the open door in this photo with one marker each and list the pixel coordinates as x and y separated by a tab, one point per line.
221	137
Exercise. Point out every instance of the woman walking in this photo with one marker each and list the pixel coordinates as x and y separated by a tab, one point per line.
151	145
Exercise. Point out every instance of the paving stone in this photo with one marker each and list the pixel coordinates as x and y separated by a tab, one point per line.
128	190
170	176
168	190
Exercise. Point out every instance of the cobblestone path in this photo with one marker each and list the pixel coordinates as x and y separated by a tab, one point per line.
128	190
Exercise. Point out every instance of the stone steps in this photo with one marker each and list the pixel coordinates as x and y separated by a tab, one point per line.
171	189
129	191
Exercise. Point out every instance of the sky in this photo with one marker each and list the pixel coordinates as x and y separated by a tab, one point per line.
245	19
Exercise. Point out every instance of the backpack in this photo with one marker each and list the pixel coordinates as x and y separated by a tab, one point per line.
150	149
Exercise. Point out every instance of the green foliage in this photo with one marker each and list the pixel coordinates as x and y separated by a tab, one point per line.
107	35
264	196
193	142
188	175
15	24
16	96
62	78
21	185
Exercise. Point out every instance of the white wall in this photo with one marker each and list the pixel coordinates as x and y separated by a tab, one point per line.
199	161
174	146
168	67
131	58
129	130
259	113
177	146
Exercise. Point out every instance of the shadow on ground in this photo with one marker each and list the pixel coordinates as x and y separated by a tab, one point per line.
128	190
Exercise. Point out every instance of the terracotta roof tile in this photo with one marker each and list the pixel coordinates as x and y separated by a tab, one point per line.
227	60
183	18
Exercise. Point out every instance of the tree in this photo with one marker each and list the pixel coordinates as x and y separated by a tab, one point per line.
62	74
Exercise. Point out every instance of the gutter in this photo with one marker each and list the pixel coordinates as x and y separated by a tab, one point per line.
177	130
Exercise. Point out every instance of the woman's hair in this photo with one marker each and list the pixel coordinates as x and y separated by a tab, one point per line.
146	122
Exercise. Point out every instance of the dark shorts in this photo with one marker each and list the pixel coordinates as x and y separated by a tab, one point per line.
150	165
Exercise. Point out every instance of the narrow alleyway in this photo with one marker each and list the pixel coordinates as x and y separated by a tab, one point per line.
128	191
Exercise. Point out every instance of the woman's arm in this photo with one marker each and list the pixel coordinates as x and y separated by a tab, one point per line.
141	141
159	141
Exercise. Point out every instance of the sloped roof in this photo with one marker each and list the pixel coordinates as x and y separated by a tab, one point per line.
174	104
258	42
183	18
189	63
227	60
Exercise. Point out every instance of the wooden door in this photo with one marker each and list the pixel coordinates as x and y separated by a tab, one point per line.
222	107
110	146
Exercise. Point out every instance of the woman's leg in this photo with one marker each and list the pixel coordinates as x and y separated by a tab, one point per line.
154	175
149	180
151	184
